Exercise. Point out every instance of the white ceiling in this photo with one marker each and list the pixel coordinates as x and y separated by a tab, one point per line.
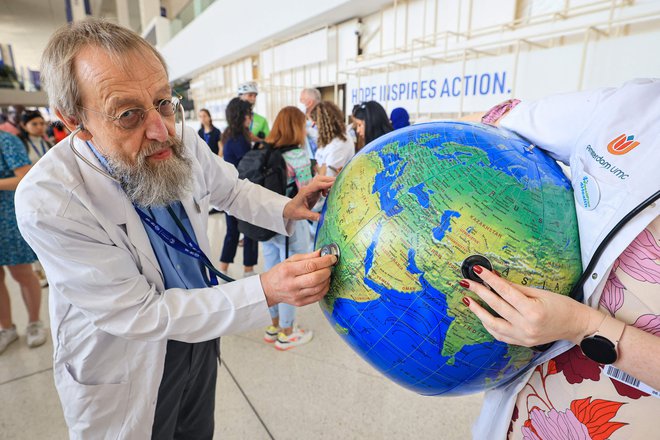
27	25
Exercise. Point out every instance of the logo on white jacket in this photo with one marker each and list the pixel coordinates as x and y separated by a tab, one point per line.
622	144
604	163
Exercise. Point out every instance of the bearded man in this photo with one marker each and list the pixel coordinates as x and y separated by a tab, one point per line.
117	214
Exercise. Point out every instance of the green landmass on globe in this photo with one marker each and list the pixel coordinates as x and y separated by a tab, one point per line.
406	212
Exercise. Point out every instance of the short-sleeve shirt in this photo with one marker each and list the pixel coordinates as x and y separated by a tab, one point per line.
335	155
13	249
234	149
259	125
211	138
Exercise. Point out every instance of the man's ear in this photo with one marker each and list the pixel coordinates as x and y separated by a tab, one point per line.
72	124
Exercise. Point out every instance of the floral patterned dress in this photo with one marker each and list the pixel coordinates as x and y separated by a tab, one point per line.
571	396
13	249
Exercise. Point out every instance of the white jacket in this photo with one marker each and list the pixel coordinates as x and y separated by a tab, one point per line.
110	314
577	129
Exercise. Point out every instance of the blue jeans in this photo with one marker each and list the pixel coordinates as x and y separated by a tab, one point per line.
274	252
250	247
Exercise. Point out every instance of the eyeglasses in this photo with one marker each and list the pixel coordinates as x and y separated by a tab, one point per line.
133	117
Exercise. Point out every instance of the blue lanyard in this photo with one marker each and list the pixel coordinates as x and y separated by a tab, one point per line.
34	147
190	247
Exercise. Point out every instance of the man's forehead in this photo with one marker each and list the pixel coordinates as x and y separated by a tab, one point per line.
108	74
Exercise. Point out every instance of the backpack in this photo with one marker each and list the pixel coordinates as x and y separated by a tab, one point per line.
265	166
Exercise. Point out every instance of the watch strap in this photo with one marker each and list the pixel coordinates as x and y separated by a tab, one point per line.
611	329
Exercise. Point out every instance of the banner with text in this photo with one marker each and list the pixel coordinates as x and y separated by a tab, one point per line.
441	88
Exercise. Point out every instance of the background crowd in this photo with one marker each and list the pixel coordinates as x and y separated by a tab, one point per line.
317	139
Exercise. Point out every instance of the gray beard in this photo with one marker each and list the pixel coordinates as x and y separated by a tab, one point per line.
158	183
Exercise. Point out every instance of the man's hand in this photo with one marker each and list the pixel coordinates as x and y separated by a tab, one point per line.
299	280
299	208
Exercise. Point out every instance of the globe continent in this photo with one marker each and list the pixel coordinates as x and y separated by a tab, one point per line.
406	212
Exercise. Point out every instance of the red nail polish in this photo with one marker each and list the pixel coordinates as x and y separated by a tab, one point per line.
466	301
464	283
478	269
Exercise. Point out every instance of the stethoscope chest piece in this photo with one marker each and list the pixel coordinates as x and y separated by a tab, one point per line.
331	249
467	267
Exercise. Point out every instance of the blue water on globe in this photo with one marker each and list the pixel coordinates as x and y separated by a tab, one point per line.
406	212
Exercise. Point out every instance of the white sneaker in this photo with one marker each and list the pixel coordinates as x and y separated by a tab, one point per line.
7	336
298	337
36	334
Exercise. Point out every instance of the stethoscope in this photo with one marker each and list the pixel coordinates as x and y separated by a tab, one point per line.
467	265
205	262
577	292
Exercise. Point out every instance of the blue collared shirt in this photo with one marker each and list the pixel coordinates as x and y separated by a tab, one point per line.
179	270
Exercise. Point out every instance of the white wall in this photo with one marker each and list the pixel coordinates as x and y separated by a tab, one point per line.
526	49
228	29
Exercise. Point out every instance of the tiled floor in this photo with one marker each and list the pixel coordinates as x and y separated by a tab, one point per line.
319	391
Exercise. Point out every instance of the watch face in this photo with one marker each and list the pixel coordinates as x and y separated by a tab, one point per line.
599	349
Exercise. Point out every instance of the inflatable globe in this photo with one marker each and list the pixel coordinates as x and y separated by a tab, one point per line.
406	212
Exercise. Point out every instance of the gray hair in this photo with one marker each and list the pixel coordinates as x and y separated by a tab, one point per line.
313	93
58	71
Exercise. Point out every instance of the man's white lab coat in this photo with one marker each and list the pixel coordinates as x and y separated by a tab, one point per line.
110	314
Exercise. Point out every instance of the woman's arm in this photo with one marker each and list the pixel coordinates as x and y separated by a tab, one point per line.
10	183
531	317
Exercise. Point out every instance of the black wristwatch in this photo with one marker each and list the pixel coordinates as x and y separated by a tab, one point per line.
602	346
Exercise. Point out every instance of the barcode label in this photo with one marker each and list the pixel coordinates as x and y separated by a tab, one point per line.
626	378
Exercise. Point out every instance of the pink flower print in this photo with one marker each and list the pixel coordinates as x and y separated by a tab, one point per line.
649	323
641	258
554	425
612	296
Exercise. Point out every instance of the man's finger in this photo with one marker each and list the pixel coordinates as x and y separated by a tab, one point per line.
319	289
300	257
310	265
311	279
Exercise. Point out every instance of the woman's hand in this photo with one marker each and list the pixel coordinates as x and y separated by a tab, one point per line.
529	316
300	207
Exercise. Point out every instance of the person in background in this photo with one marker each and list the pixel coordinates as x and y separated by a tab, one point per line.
399	118
209	132
248	91
34	135
601	379
11	125
15	253
335	147
235	143
308	99
57	132
289	131
371	121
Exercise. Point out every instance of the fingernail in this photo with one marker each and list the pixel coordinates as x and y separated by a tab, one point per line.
464	283
477	269
466	301
497	273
